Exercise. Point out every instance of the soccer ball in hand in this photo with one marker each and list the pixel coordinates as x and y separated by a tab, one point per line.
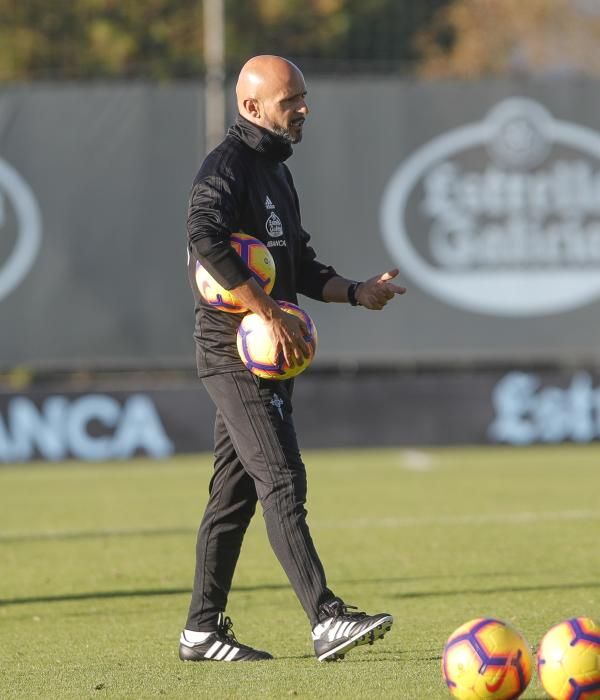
259	261
258	352
486	659
569	660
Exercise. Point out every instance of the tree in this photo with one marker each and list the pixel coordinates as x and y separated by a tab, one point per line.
162	39
474	38
99	38
330	35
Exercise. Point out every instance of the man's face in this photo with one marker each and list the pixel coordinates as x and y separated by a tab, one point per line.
286	110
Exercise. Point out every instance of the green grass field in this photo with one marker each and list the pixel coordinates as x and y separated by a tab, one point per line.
97	561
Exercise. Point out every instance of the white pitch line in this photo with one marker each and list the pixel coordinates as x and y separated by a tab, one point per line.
470	519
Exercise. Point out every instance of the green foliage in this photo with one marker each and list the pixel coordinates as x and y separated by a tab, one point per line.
162	39
99	38
331	34
97	564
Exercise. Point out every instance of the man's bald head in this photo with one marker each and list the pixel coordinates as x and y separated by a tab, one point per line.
271	93
263	75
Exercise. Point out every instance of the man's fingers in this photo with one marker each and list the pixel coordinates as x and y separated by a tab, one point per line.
292	355
288	347
291	341
304	349
301	349
285	351
389	275
298	350
383	280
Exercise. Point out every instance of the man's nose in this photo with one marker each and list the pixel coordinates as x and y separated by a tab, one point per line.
304	108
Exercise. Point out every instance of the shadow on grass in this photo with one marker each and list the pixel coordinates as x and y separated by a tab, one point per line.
498	589
299	657
93	595
139	593
151	592
366	653
99	595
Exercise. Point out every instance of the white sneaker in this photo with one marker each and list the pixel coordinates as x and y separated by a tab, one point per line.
341	630
220	645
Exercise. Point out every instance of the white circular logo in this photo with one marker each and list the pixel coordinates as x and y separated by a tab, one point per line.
274	226
18	203
501	216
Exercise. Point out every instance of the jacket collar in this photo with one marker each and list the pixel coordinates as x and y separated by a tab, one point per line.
261	140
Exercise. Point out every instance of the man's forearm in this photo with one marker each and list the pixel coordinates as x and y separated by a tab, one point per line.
336	290
252	296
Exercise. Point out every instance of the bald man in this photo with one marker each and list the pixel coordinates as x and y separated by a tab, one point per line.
244	185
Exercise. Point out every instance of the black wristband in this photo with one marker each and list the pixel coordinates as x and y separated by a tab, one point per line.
352	289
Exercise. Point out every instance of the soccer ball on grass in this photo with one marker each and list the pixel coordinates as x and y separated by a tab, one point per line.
486	659
569	660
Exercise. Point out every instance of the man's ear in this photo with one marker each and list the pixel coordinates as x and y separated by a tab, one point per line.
252	107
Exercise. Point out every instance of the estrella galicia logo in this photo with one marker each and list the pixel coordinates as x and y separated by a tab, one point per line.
501	216
20	229
274	226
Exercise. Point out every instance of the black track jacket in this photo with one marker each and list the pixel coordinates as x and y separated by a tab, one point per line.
243	185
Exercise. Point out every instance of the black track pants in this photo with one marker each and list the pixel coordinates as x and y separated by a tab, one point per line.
256	458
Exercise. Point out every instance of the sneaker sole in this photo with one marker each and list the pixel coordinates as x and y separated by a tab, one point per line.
368	636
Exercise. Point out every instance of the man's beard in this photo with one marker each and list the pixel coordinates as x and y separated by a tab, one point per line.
285	134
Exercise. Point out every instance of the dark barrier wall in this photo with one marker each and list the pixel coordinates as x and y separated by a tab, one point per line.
486	195
364	409
93	186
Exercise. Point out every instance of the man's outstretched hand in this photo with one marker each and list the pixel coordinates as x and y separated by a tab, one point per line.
375	293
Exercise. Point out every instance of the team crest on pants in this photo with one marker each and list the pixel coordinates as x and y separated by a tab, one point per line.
278	403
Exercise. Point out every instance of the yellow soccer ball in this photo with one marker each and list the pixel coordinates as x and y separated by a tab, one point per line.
259	261
258	353
486	659
569	660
